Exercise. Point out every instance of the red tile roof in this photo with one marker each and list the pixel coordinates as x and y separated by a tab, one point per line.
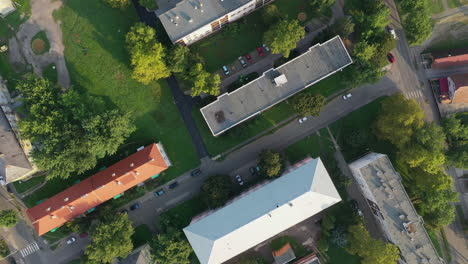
98	188
451	61
443	83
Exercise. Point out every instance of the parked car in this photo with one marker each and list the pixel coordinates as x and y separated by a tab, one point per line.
391	31
248	58
306	29
2	180
260	51
239	180
242	61
355	207
173	185
159	192
226	70
135	206
302	120
253	171
390	57
266	48
195	173
71	240
347	96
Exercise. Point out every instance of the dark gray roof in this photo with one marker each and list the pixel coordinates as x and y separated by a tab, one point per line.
140	255
321	61
190	15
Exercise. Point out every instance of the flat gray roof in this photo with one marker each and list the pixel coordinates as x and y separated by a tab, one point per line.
395	212
187	15
319	62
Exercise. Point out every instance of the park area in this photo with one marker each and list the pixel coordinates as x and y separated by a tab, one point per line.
246	34
94	39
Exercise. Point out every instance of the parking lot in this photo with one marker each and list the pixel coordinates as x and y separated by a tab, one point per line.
244	62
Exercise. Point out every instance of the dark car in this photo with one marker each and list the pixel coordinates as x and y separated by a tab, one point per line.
242	61
248	58
252	170
306	29
135	206
195	173
159	192
173	185
355	207
390	57
260	51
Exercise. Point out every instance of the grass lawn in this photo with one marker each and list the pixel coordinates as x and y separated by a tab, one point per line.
436	6
279	242
184	212
22	186
226	46
141	236
435	241
338	255
456	3
448	43
313	146
60	233
50	72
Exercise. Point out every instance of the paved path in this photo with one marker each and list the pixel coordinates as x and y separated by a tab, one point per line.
450	12
41	19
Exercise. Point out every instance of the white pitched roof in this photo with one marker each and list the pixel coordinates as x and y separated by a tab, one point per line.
262	213
6	7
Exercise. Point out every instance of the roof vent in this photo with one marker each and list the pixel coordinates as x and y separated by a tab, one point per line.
113	174
84	195
220	116
137	173
102	186
72	207
290	204
66	199
176	17
118	182
280	80
53	216
190	20
48	209
132	164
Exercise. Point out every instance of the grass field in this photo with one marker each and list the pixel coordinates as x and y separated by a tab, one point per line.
141	236
312	146
22	186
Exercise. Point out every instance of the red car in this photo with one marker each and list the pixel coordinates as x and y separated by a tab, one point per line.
248	58
260	51
390	57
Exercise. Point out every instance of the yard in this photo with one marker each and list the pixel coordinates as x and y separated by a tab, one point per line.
245	35
313	146
272	117
23	186
94	39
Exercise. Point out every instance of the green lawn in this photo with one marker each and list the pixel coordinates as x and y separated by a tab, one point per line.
313	146
436	6
141	236
456	3
60	233
448	43
50	72
245	35
181	215
435	241
338	255
22	186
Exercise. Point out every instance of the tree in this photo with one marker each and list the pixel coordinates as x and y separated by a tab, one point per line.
8	218
458	156
417	156
179	58
308	104
398	119
110	239
271	163
322	5
372	251
431	136
147	55
436	207
118	3
283	36
202	81
171	248
364	51
343	27
150	4
457	138
4	250
271	14
216	190
417	21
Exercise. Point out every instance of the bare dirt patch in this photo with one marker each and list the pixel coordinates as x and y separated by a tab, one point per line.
38	46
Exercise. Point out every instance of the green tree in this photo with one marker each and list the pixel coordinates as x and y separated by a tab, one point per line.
171	248
372	251
458	156
271	14
216	190
308	104
110	239
118	3
322	5
8	218
4	250
398	119
147	56
436	207
417	156
283	36
179	58
417	20
202	81
271	163
364	51
150	4
431	136
343	27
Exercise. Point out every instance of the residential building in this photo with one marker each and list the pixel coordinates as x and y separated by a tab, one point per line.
392	209
454	89
309	259
191	20
262	212
109	183
449	58
284	255
6	7
276	85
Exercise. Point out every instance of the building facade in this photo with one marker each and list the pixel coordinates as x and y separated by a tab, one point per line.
191	20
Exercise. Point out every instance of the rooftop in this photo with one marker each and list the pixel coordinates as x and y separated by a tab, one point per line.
189	15
262	212
399	220
276	85
98	188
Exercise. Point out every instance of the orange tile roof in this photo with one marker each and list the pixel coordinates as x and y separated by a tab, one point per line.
98	188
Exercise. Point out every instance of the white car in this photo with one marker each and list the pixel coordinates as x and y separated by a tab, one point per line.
239	180
347	96
302	120
71	240
266	48
2	180
391	31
